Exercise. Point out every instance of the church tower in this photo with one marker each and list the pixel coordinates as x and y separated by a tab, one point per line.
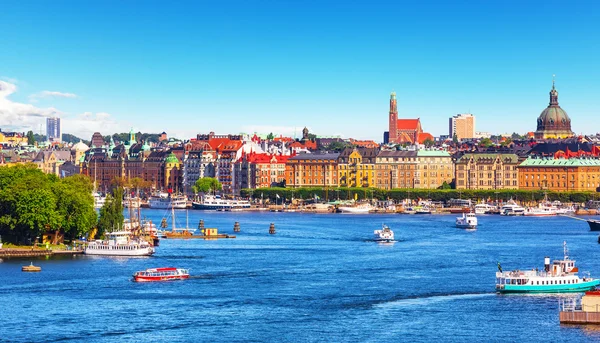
393	116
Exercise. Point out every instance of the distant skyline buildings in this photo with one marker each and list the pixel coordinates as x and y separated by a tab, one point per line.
462	125
53	129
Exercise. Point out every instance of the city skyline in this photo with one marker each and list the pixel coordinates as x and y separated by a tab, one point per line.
280	67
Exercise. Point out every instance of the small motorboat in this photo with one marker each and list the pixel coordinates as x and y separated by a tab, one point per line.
384	235
467	221
161	274
31	268
423	210
594	224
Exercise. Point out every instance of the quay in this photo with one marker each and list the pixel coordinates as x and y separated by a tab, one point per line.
19	252
586	312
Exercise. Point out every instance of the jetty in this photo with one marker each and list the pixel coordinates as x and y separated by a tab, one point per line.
585	312
24	252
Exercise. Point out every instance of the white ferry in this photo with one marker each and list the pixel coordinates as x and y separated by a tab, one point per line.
358	209
172	201
560	276
99	200
542	210
384	235
215	202
467	221
484	208
512	209
119	243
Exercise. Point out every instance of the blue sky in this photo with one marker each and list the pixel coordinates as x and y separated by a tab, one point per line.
188	67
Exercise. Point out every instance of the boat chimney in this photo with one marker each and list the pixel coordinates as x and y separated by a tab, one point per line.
547	264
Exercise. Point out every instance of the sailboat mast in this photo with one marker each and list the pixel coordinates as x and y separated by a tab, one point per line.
173	214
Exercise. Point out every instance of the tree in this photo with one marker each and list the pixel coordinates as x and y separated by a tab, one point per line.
486	142
337	146
429	142
30	138
75	205
455	139
270	136
206	185
111	214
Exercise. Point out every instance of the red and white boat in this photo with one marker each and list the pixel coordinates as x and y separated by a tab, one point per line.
161	274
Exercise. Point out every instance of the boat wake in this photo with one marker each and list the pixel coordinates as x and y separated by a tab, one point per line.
431	299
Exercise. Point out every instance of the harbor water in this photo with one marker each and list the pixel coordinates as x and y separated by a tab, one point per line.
320	278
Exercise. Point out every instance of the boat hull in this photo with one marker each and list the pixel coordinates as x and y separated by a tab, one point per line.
160	278
119	252
594	225
564	288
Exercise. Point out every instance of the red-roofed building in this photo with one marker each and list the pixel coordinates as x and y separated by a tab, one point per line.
226	147
364	144
260	170
425	136
404	130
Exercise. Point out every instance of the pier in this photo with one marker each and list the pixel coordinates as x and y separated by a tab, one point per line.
20	252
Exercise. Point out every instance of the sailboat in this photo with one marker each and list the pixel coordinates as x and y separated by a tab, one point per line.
178	232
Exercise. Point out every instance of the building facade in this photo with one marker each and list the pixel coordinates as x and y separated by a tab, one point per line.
395	169
53	129
312	170
403	131
560	174
356	167
433	168
462	126
487	171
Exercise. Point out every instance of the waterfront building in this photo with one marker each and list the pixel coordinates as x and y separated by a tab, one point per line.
198	162
433	168
363	143
404	131
53	129
395	169
312	170
462	126
261	170
356	167
560	174
226	147
487	171
553	122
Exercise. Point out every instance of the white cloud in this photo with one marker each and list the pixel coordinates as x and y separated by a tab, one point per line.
50	94
85	124
18	116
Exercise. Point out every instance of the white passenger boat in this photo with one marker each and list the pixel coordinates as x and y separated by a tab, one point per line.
467	221
484	208
384	235
358	209
168	202
132	202
512	209
542	210
215	202
119	243
560	276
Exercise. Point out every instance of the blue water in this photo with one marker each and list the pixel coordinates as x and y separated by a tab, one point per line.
319	279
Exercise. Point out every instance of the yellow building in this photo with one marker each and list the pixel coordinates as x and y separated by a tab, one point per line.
433	168
574	174
487	171
13	138
395	169
356	167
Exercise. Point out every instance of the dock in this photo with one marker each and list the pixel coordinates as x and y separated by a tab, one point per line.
36	252
586	311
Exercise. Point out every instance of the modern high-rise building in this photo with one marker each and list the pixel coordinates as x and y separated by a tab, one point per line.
463	126
53	129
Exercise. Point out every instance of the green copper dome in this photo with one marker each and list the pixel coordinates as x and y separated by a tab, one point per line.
172	159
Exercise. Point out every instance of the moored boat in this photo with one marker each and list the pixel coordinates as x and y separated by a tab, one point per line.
467	221
384	235
215	202
161	274
119	243
171	201
484	208
512	209
594	224
358	209
560	276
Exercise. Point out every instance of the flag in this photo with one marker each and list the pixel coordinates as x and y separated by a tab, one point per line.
277	195
499	267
